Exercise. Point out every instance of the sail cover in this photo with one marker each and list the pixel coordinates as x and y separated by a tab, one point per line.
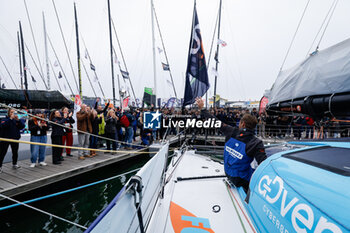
322	73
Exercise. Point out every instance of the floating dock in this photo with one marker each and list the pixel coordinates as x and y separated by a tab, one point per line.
24	179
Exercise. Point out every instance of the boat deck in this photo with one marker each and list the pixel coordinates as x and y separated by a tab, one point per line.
24	179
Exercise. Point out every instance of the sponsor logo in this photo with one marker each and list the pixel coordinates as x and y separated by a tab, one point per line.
184	221
151	120
233	152
302	214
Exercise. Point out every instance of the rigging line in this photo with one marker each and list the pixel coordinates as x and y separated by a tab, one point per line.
59	63
44	212
329	19
36	47
319	30
241	83
36	66
120	98
88	54
71	128
65	45
165	54
69	190
212	41
121	52
87	74
295	34
8	72
54	73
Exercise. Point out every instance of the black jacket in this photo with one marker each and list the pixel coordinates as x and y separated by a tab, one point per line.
95	122
111	125
10	128
35	130
56	129
254	146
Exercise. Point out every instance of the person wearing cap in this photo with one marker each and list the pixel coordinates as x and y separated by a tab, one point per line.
38	129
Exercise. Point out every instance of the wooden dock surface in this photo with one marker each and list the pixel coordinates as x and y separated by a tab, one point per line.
24	179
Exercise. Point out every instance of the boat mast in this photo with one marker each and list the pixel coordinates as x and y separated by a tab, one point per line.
154	54
20	59
46	55
78	51
23	57
111	48
217	54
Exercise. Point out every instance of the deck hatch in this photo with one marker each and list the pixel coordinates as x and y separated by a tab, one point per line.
333	159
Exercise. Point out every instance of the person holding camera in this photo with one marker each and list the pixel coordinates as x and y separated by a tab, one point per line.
38	129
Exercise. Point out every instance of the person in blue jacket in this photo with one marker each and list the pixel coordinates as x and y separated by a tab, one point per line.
10	128
241	148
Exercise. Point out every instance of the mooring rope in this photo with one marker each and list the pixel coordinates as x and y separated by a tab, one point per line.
77	148
71	128
69	190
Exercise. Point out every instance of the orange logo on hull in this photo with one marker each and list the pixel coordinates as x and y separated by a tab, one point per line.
184	221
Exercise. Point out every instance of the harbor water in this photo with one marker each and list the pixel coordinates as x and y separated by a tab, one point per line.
81	206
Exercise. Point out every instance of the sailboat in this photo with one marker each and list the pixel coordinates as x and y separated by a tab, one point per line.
302	188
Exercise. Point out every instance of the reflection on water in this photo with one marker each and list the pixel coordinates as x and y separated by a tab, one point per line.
81	206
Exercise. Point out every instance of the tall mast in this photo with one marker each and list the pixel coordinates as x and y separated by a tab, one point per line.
78	51
154	54
217	55
20	59
111	48
46	55
23	57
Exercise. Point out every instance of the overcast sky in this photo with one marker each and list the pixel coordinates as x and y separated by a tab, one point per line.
257	34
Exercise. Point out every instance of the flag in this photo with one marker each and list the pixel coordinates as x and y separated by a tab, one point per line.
60	75
216	57
165	66
95	79
33	79
222	43
56	63
160	50
124	74
262	106
214	71
92	67
86	54
125	102
116	61
148	97
197	82
171	102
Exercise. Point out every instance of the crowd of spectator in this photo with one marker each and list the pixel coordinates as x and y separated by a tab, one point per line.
109	127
